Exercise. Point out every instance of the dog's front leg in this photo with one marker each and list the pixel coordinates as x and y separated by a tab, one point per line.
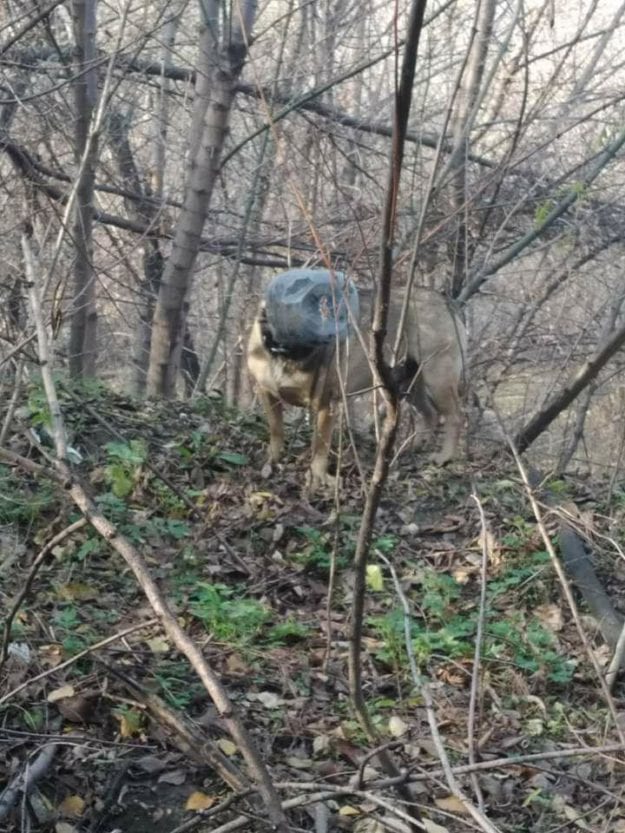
322	439
273	410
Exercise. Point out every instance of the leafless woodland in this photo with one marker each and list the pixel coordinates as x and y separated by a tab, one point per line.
160	161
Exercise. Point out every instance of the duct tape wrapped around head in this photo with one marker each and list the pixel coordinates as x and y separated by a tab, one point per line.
310	307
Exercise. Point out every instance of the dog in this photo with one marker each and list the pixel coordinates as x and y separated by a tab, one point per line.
428	369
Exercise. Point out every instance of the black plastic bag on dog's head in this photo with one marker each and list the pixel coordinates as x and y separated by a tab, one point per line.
310	307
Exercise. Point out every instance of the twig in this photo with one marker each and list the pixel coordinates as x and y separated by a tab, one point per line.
52	543
480	766
335	547
428	702
360	777
475	673
56	418
619	453
50	671
8	417
313	792
26	780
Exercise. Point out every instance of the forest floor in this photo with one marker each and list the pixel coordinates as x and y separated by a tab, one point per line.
247	575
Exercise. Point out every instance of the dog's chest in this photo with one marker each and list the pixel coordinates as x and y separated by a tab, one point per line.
288	382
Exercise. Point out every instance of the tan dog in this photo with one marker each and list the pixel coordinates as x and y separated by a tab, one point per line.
429	370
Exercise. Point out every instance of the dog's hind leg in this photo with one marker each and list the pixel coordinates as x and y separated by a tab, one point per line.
419	399
448	404
273	410
322	440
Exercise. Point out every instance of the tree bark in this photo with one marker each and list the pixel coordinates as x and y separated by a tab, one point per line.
223	66
83	330
153	260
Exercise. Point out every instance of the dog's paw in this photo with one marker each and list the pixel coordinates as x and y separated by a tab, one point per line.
319	482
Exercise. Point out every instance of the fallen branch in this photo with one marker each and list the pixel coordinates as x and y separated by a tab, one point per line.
193	743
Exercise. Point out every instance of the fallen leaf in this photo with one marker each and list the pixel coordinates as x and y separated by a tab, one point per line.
570	813
367	774
61	693
348	810
19	650
550	615
158	645
397	727
299	763
432	827
369	825
463	573
78	709
64	827
151	764
451	804
227	746
236	665
72	806
269	699
603	655
198	801
321	744
51	655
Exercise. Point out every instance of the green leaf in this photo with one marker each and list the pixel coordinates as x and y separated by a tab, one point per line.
375	579
234	458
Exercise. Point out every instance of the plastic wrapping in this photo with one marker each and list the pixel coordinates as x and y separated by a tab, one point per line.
310	307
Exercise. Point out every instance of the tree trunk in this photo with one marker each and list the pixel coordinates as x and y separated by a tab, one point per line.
465	115
83	331
224	67
153	261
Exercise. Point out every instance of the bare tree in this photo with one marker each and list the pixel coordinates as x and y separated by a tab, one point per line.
223	48
82	343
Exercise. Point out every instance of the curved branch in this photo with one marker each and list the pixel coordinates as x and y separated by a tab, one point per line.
561	400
